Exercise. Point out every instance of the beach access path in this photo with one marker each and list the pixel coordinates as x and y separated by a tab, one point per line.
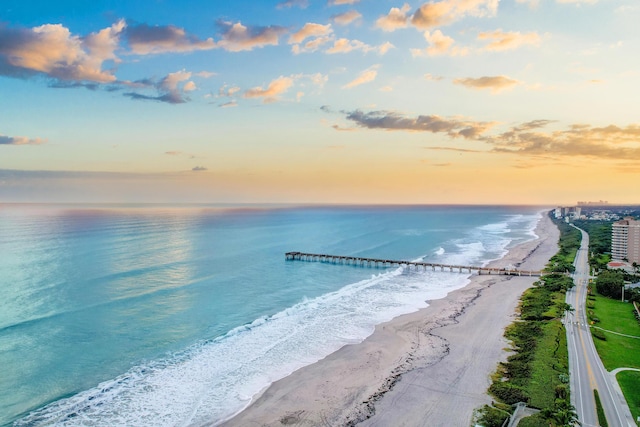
431	367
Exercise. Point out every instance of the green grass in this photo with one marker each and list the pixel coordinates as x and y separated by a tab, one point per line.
630	384
616	316
602	419
617	351
536	420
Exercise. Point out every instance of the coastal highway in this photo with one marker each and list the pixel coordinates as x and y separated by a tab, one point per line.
587	372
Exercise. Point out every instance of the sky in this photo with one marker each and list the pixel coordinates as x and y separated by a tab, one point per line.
320	101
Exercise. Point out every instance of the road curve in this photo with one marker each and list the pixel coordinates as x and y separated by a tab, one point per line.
587	373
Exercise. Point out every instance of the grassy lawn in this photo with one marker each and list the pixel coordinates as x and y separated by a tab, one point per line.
630	384
617	351
616	316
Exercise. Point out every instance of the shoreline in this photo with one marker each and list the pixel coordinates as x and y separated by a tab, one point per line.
430	367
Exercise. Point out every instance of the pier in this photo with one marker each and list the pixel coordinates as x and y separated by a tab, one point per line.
378	262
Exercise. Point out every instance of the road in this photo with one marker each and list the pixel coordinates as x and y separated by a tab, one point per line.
586	370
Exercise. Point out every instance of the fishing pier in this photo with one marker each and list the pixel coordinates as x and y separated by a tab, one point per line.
378	262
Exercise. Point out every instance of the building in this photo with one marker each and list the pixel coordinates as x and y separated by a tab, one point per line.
625	240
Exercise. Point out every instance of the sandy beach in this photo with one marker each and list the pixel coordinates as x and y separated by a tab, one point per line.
428	368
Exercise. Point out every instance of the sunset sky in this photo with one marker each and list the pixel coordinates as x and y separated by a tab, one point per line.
321	101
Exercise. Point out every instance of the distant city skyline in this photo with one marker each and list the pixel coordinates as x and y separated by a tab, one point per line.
320	101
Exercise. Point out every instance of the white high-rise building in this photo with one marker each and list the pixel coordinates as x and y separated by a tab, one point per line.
625	240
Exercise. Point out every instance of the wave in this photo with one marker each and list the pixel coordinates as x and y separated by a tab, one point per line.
215	379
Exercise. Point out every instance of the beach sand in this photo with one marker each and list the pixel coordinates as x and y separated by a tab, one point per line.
428	368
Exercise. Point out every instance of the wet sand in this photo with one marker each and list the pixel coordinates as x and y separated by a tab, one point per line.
428	368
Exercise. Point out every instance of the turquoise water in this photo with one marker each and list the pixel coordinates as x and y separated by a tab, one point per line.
160	315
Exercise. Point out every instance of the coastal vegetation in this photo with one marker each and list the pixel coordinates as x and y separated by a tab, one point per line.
538	370
569	244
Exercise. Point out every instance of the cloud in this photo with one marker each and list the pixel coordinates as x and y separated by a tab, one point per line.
460	150
501	41
439	44
429	76
345	46
270	94
341	2
170	89
311	45
228	104
237	37
20	140
346	18
199	169
577	2
288	4
366	76
52	50
204	74
611	142
226	91
437	14
392	121
310	30
494	83
395	19
173	153
145	39
532	3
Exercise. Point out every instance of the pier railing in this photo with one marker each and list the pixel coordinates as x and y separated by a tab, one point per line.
379	262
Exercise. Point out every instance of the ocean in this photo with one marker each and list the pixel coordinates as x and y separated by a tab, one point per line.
144	315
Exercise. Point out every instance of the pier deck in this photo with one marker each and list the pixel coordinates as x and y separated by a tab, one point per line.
378	262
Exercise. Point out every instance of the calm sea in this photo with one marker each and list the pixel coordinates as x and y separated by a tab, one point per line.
165	316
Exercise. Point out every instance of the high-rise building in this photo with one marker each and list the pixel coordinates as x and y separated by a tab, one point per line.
625	240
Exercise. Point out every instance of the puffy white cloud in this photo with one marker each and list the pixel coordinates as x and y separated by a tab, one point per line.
51	49
439	44
395	19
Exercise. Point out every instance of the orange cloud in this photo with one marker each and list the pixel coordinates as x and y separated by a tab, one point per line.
270	94
493	83
395	19
366	76
501	40
346	18
310	30
436	14
439	44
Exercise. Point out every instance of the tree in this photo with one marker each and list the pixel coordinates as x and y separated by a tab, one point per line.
563	414
609	284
